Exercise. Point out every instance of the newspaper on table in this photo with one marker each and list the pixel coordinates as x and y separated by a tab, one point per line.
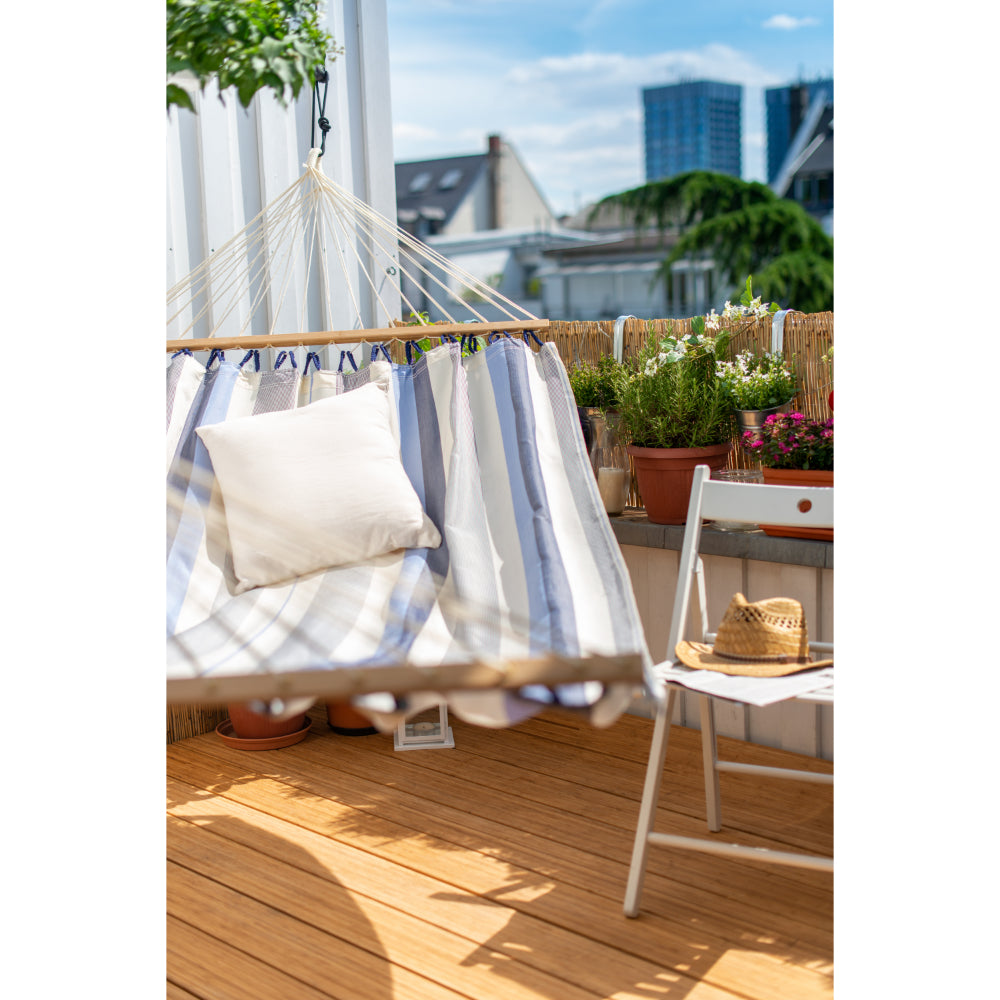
757	691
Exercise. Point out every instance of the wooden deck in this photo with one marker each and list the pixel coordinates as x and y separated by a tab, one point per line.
494	871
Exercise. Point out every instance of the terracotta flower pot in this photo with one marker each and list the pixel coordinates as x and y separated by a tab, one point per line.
346	720
250	725
664	477
798	477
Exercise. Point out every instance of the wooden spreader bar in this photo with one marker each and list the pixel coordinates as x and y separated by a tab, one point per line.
375	336
341	683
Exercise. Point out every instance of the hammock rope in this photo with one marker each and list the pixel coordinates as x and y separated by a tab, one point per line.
289	247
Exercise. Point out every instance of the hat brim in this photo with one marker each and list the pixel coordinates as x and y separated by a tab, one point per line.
702	657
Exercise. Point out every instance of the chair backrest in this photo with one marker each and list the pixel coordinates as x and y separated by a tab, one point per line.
805	506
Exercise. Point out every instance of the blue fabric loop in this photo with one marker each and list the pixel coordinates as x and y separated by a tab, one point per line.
384	350
350	357
256	359
215	355
312	358
183	350
280	360
412	345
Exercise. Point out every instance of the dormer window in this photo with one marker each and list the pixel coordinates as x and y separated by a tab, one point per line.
450	180
419	183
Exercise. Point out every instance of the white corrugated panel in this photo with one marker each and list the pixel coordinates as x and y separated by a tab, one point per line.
225	163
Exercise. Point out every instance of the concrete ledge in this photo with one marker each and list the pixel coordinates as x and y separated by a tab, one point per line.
633	528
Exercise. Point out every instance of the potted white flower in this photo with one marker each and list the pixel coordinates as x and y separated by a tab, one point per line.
759	384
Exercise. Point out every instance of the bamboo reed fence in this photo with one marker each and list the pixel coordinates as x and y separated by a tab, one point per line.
806	337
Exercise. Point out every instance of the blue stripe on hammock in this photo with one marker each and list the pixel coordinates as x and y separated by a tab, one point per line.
413	596
192	475
432	479
550	595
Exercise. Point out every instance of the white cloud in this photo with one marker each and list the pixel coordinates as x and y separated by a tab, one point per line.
407	132
575	120
785	22
598	14
604	76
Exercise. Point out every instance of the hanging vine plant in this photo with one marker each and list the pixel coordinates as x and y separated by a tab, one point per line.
249	45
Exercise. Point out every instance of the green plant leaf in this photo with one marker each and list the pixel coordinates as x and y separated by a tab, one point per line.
179	96
247	44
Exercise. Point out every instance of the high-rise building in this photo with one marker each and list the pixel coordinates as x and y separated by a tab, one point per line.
694	125
786	109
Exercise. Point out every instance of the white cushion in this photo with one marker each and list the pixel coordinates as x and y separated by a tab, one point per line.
315	487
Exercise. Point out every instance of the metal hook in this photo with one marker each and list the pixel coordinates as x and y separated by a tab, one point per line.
322	76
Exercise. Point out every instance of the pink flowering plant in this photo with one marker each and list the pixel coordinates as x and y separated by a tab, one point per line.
792	441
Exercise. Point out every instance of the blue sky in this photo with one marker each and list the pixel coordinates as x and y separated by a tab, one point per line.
562	79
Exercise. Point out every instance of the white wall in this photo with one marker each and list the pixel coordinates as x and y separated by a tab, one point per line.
225	163
521	203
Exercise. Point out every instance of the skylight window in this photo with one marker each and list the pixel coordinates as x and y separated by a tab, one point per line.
450	179
419	183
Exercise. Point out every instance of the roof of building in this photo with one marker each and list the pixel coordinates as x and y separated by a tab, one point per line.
555	237
812	145
433	189
819	157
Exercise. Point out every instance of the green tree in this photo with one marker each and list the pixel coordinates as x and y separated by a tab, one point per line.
246	44
744	227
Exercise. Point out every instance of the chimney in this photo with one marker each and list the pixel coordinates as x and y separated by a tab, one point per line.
493	179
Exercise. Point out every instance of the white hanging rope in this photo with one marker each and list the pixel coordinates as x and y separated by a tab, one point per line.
289	247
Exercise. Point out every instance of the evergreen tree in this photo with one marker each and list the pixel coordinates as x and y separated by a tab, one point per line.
744	227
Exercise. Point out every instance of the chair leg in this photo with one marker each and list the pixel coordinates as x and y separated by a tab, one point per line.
710	760
647	811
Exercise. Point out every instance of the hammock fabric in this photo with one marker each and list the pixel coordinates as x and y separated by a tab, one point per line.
528	565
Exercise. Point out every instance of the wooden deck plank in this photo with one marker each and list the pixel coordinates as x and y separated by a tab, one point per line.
420	840
211	969
550	778
175	992
556	964
483	916
280	929
541	819
581	851
615	787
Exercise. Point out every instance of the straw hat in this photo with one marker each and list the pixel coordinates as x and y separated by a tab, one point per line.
764	639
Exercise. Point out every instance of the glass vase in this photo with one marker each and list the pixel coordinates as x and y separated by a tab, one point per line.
610	463
737	476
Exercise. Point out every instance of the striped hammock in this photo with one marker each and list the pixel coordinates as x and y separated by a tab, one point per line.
526	604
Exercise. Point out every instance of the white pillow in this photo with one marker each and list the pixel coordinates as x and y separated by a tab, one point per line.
315	487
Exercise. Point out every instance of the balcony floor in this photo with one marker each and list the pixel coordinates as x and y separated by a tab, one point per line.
342	868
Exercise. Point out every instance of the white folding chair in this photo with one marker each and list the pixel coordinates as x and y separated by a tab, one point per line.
759	504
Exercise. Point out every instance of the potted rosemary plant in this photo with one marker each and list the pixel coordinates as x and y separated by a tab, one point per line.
676	413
